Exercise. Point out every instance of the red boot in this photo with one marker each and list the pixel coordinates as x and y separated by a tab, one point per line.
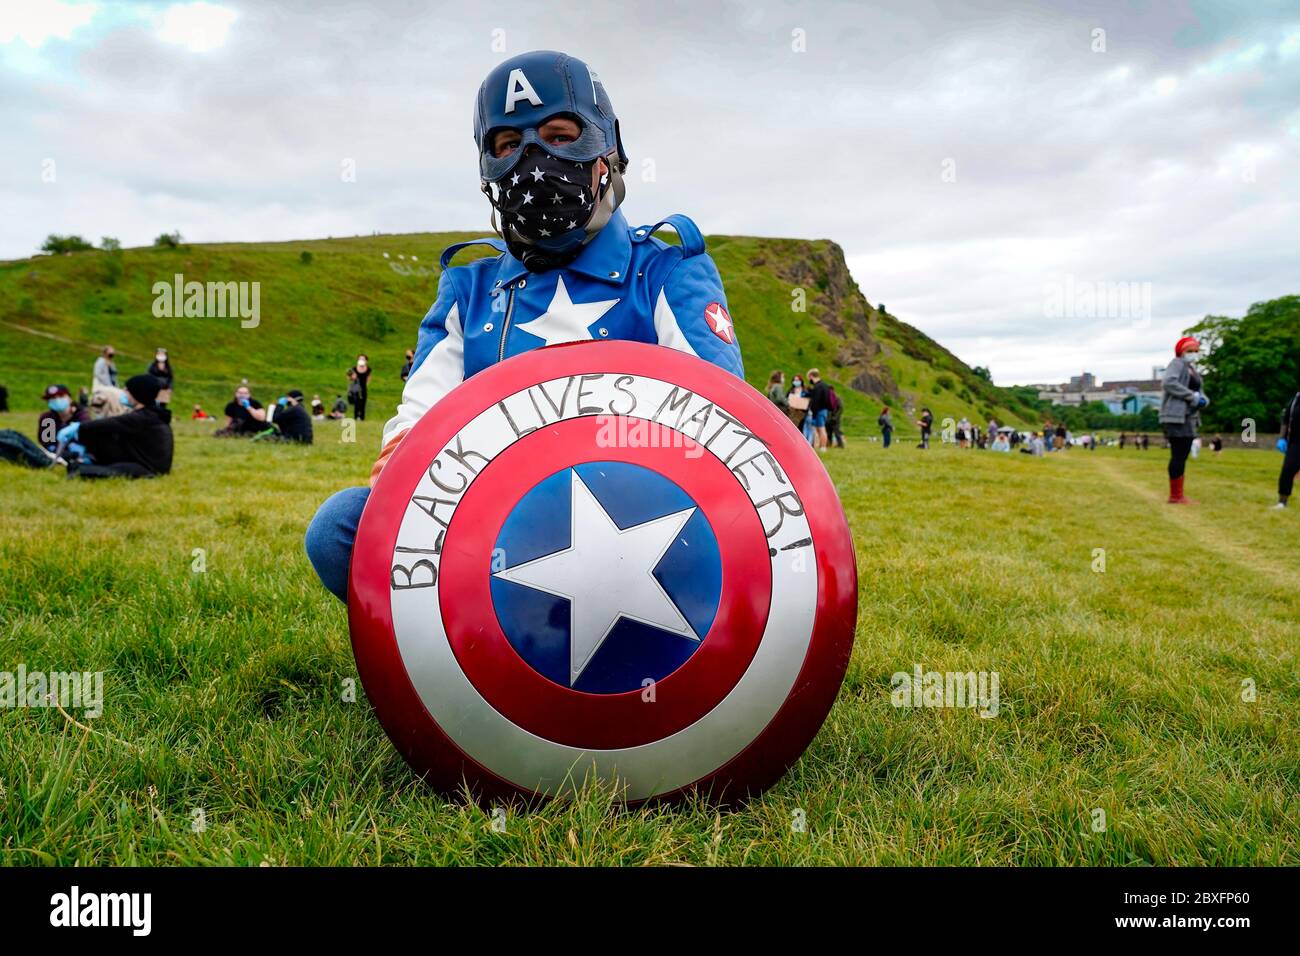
1176	496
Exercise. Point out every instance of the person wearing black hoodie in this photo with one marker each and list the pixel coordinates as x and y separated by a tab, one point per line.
137	444
1289	445
292	420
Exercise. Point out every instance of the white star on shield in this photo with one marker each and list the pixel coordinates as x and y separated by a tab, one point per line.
606	573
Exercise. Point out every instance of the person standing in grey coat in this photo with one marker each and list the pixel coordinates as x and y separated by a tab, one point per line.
1180	412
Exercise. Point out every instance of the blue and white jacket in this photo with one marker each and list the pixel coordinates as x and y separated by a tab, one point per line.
625	284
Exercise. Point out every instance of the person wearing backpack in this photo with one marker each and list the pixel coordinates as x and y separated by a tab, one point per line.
834	434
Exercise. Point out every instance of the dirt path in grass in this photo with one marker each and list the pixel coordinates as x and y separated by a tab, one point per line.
1208	536
90	346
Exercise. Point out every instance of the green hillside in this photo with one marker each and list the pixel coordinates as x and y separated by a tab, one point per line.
322	301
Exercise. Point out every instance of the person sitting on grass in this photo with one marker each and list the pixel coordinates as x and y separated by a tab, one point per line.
21	450
199	415
291	421
340	409
244	415
563	134
317	409
136	444
1035	446
59	411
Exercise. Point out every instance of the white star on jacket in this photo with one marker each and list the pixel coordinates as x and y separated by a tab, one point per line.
721	324
565	320
607	573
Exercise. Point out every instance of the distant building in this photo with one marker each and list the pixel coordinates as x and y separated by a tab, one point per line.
1128	396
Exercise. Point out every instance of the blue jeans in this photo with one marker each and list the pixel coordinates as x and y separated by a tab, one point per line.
18	448
330	535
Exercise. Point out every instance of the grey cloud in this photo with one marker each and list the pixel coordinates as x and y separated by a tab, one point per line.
1064	164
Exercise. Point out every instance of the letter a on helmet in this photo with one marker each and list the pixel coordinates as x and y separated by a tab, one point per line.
519	88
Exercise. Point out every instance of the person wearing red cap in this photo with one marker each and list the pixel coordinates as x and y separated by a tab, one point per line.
44	452
60	410
1180	412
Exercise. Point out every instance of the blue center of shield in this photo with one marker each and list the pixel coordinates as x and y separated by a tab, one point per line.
606	575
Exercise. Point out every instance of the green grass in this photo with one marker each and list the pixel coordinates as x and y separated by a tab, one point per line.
1118	690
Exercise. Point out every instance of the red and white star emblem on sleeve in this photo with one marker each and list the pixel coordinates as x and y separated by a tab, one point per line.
720	322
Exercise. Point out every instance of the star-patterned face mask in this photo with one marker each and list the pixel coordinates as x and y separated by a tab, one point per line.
546	205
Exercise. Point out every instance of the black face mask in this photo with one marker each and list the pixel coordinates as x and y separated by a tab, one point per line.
545	205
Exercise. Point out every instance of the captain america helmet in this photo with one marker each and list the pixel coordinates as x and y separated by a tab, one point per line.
524	91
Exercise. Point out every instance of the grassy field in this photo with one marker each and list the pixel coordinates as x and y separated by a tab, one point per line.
225	738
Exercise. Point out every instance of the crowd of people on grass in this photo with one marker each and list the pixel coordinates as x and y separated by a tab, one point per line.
811	403
1180	419
123	429
129	437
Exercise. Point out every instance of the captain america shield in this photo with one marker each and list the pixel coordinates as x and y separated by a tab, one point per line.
603	558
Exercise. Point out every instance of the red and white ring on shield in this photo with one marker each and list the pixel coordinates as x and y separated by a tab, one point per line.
603	558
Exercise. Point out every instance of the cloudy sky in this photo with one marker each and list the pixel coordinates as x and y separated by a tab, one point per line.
989	168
